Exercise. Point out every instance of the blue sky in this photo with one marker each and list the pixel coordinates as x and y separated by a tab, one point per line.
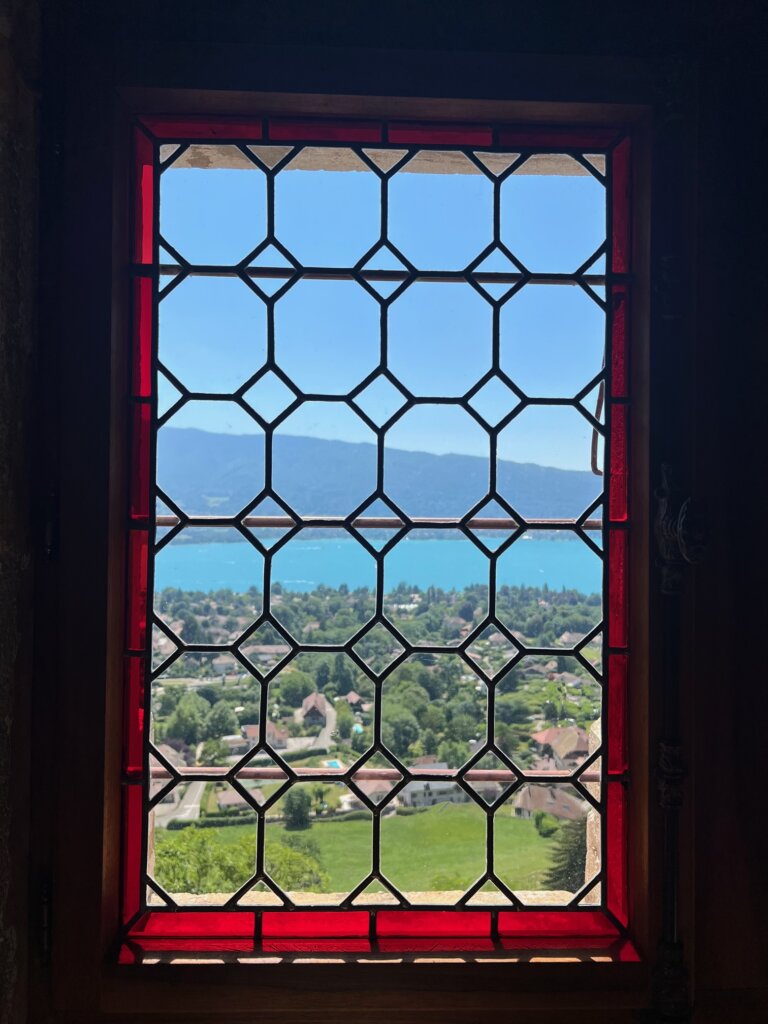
213	331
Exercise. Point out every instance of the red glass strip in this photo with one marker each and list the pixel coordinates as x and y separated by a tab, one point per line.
539	924
132	829
620	207
616	860
192	946
142	338
172	128
441	134
550	138
619	341
144	196
433	923
618	673
195	925
133	717
618	482
314	924
136	625
324	131
618	625
309	946
140	461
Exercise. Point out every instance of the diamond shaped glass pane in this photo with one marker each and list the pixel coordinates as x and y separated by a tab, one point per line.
492	651
270	396
493	273
492	525
262	776
489	778
494	401
384	259
380	400
376	778
382	526
378	648
266	648
269	522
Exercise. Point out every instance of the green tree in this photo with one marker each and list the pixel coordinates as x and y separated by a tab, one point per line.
213	753
546	824
295	686
344	720
294	870
209	693
342	674
186	722
429	741
194	860
570	857
221	720
399	730
453	753
323	674
296	807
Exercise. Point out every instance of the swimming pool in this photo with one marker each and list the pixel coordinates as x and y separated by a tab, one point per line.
333	764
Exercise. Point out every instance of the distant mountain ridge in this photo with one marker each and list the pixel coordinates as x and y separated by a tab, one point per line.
208	473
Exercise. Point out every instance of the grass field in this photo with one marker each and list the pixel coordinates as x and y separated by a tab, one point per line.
441	848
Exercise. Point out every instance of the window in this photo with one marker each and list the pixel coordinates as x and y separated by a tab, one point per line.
377	626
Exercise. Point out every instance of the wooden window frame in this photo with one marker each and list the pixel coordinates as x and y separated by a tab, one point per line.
76	839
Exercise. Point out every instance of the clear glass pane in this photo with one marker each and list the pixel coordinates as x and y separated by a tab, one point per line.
213	205
440	210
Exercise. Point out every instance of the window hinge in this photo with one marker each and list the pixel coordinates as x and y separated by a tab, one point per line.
44	921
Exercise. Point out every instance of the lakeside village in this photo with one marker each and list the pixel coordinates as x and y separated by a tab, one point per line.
206	713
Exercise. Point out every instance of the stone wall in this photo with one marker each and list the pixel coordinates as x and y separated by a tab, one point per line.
18	232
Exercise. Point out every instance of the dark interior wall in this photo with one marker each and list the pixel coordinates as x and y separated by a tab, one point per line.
19	72
717	50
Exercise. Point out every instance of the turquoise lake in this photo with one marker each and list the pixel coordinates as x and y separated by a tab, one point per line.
303	565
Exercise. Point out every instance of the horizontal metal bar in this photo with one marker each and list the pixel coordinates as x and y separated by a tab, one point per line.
274	772
381	523
329	274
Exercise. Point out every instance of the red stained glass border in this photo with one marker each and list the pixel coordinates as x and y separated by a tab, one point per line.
136	608
144	196
551	138
173	127
190	924
433	923
618	589
619	341
133	810
141	377
620	208
618	480
315	923
141	416
617	847
133	718
556	924
413	134
618	676
280	130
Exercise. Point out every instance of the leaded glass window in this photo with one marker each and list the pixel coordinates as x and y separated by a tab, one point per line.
377	624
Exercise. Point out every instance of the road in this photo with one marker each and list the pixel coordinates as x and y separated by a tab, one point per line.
188	808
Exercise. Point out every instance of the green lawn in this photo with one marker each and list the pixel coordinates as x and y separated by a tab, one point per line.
441	848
